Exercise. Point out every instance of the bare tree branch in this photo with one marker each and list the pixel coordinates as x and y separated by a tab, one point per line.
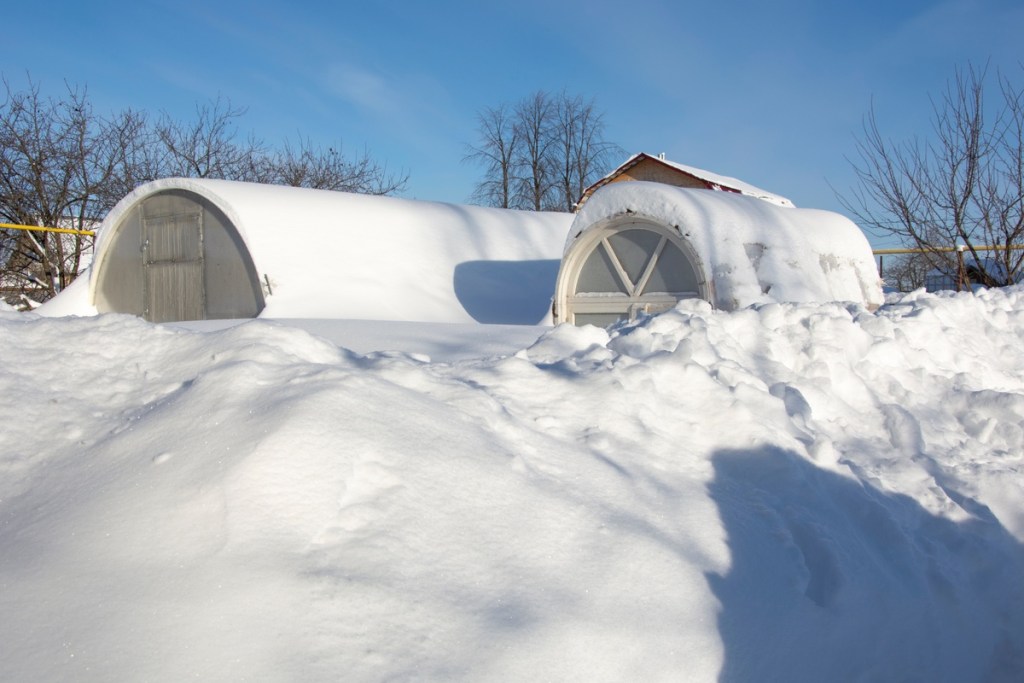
62	165
962	185
327	168
540	153
497	152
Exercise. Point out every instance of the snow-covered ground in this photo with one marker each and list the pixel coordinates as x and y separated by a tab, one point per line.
782	493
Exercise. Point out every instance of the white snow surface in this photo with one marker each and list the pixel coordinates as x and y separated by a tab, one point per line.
787	492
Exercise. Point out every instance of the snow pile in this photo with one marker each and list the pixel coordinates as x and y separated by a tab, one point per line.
786	492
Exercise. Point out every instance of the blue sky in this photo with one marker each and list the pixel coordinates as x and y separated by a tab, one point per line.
771	93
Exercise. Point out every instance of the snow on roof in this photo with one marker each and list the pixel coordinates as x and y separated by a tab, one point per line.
715	181
342	255
727	183
752	251
336	255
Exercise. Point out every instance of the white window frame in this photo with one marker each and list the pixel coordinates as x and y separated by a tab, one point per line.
632	304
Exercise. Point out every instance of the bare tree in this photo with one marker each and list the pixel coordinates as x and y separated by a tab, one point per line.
540	153
961	186
497	153
133	152
327	168
906	272
63	166
581	154
208	146
534	128
54	163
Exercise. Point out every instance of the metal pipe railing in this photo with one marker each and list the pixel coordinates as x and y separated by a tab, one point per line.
39	228
946	250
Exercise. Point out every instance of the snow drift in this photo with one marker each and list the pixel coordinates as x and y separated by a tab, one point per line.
786	492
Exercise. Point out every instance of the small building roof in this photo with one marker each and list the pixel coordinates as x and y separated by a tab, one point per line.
659	169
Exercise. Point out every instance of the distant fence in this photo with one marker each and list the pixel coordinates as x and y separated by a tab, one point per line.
961	279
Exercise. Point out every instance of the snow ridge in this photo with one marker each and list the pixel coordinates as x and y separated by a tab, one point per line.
786	492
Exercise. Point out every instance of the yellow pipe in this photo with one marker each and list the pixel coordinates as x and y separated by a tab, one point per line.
999	247
12	226
876	252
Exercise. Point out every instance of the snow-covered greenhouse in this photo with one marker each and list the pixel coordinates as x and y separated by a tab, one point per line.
639	247
185	249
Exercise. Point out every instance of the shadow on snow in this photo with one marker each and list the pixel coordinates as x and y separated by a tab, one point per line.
833	579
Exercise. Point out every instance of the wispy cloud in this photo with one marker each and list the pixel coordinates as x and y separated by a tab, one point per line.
365	89
413	106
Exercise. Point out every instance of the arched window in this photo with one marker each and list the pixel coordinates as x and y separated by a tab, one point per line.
624	269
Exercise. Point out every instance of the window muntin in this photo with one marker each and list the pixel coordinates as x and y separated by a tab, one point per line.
629	272
673	273
598	274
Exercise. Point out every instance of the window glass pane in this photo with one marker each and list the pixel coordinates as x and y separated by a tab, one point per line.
598	274
634	249
672	274
599	319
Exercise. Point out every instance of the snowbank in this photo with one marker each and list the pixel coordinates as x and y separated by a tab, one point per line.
786	492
